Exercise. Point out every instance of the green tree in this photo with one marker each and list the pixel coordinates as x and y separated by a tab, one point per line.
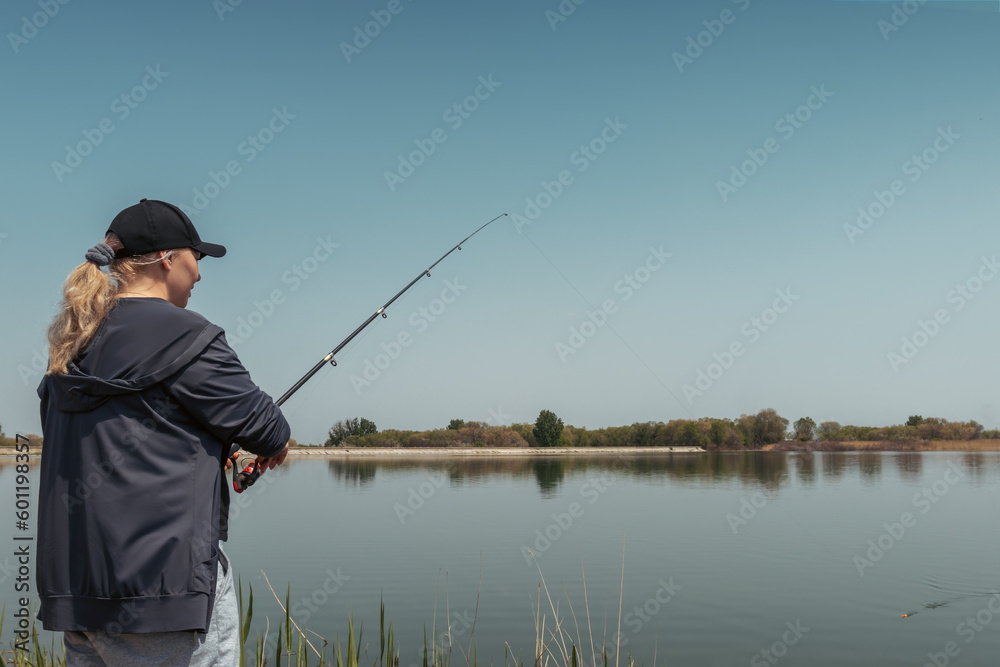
805	429
642	434
745	429
829	431
915	420
768	427
456	424
692	435
527	432
717	432
548	429
349	427
932	428
366	427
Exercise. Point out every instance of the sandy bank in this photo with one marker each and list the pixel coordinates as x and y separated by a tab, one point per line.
454	452
378	452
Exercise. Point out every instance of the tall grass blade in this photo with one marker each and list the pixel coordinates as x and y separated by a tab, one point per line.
277	653
40	656
621	592
352	658
357	647
390	645
246	616
288	619
301	657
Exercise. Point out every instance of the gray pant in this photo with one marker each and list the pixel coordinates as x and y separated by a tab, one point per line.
217	647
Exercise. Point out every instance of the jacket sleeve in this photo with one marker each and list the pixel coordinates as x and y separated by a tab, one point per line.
217	390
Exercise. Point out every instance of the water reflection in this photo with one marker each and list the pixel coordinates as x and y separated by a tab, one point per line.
549	474
805	466
834	465
766	470
976	465
910	465
870	467
356	473
751	468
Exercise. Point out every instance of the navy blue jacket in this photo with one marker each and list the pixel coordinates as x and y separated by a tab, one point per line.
133	498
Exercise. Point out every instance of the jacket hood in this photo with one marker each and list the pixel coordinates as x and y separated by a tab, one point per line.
76	391
141	343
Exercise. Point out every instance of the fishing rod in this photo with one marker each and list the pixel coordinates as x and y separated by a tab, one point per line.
249	475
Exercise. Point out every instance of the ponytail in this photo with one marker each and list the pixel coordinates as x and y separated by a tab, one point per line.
88	296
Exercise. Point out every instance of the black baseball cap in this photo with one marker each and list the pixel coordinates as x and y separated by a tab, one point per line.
156	225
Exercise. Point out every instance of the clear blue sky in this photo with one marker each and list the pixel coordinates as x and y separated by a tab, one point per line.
646	127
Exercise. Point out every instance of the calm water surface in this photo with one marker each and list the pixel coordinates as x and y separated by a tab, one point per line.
729	559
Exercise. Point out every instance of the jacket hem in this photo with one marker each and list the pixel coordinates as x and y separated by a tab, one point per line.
187	612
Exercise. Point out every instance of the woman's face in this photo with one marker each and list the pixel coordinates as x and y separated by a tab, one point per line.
182	276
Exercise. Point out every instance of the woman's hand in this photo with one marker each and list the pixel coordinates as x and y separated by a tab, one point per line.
266	463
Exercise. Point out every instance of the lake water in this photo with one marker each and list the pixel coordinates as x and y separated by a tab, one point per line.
729	559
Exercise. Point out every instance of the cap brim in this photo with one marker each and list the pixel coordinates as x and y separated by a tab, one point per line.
210	249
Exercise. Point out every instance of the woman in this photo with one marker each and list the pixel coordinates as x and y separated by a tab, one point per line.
142	404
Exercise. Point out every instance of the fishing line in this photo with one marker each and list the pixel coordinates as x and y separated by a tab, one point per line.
955	598
608	324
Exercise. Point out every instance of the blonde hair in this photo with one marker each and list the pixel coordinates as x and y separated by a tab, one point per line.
88	296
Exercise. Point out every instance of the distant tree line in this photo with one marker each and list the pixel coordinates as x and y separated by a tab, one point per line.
915	428
469	434
746	432
34	441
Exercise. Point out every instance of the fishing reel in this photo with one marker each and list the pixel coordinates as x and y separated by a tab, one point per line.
244	479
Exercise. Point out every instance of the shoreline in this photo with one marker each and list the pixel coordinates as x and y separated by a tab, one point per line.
453	452
982	445
968	446
475	452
